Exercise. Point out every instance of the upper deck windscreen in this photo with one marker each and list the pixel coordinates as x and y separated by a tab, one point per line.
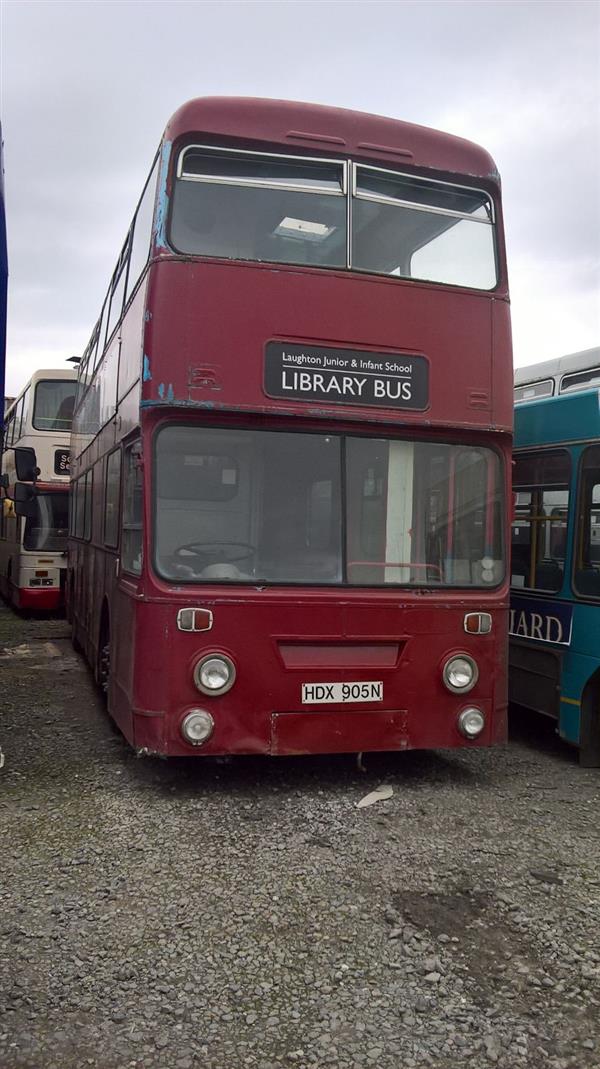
53	406
253	206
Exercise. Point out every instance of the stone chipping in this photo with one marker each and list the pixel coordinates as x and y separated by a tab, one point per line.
208	914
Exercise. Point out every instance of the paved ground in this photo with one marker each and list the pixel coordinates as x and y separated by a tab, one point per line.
213	915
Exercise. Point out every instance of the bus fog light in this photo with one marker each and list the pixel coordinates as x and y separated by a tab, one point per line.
214	674
460	673
471	723
197	726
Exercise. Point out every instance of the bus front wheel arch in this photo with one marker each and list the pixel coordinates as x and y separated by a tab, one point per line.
589	732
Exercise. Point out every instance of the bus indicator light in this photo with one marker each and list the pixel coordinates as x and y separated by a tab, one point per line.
194	619
478	623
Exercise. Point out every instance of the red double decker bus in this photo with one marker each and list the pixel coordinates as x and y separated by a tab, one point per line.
292	438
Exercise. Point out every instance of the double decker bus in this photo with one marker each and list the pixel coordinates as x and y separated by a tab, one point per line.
33	548
564	374
291	441
555	605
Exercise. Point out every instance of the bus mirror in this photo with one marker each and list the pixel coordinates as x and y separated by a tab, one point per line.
26	464
24	499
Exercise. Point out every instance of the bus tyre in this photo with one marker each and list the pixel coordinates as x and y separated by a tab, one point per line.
589	742
103	669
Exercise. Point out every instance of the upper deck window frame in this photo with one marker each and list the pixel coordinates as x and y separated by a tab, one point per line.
532	385
349	189
582	375
380	198
262	183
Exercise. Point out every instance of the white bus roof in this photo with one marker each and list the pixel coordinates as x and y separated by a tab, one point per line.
547	369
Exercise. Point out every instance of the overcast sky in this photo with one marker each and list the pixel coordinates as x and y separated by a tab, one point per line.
87	89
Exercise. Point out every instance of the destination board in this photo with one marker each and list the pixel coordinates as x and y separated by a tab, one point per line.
62	462
346	376
541	620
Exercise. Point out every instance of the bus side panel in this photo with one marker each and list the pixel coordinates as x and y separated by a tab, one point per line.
122	651
502	409
578	669
580	662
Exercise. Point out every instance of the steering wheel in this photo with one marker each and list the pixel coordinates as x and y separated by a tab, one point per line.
202	549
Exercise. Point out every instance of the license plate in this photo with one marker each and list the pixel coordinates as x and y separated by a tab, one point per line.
322	693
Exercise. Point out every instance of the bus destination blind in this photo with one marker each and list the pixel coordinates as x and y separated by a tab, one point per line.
62	461
346	376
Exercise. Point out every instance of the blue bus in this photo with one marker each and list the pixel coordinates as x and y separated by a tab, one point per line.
554	661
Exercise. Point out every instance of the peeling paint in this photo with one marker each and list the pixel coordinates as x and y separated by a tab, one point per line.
162	207
147	374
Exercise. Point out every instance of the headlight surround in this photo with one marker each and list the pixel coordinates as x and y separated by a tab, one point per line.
214	674
460	673
197	726
471	722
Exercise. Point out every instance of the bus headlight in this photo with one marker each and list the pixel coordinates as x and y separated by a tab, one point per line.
471	723
197	726
214	674
460	673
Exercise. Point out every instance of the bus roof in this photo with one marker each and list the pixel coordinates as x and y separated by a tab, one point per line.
573	417
323	129
586	358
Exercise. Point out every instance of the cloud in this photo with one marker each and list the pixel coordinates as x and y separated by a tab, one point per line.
88	88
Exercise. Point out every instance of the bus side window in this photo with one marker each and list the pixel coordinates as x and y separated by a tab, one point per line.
79	508
142	231
25	412
87	522
131	550
117	291
586	579
539	529
111	500
19	420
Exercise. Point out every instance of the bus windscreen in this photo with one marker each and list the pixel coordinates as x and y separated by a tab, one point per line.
261	506
47	530
53	406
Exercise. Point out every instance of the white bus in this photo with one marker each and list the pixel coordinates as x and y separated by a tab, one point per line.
33	548
565	374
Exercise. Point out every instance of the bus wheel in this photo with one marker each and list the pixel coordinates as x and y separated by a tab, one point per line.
589	738
103	673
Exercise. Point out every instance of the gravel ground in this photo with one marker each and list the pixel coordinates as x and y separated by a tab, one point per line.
222	915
